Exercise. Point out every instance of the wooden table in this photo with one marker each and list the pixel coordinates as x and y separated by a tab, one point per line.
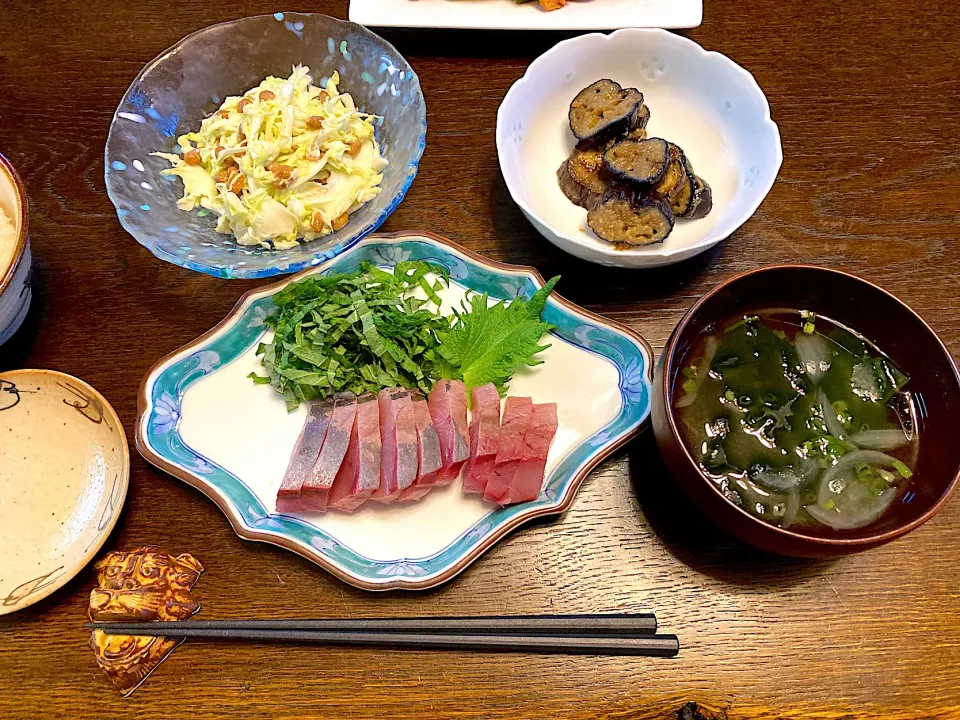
867	98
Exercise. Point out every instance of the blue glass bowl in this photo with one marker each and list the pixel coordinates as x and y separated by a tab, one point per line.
176	90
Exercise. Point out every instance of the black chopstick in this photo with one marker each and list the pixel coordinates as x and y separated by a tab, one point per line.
647	645
608	625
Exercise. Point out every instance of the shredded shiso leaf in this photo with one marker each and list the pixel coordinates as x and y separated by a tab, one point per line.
367	330
356	332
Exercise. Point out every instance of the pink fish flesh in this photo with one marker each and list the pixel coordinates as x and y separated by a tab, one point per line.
316	488
513	425
398	436
429	460
484	438
359	476
448	410
528	478
305	455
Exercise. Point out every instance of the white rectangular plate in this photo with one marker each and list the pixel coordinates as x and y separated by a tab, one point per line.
507	15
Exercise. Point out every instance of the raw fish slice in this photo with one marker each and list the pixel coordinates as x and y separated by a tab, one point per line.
484	438
448	410
429	460
398	435
516	419
528	479
359	476
316	489
304	456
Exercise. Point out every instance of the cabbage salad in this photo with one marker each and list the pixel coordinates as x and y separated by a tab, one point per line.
287	160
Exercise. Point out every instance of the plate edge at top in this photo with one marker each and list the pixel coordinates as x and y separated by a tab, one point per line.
365	12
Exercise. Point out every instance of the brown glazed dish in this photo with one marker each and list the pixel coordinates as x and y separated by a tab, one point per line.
879	316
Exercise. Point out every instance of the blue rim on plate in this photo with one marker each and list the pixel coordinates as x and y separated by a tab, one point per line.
172	93
159	409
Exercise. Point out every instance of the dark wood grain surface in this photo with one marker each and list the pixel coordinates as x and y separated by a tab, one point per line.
867	96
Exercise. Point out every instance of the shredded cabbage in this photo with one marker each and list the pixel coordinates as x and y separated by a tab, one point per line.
284	161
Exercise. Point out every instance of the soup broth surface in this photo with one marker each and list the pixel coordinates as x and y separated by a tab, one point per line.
799	420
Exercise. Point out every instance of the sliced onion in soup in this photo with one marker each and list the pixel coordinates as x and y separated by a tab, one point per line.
859	511
844	502
789	477
880	439
814	353
830	417
709	351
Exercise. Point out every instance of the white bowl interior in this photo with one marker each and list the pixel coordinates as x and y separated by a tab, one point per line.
702	101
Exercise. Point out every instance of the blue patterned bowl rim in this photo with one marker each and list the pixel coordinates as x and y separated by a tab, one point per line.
158	401
279	269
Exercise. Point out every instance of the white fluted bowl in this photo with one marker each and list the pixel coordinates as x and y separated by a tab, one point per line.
702	101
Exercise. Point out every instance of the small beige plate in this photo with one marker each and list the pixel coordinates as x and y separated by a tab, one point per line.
64	471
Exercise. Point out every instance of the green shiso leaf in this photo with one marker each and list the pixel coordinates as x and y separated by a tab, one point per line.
489	342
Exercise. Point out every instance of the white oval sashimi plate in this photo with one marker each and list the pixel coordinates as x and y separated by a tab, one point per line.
702	101
190	403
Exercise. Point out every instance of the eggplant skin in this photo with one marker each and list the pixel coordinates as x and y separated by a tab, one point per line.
582	176
643	117
603	110
701	195
575	192
703	199
682	197
625	219
643	162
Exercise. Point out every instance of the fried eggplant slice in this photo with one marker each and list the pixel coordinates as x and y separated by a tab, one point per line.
702	202
583	178
604	110
623	218
638	161
643	117
675	186
701	195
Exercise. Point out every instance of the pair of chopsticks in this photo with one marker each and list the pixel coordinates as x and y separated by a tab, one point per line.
613	634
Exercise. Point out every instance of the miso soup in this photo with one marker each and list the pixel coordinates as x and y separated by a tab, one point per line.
801	422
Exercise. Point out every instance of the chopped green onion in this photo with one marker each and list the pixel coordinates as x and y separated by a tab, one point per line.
809	327
829	505
904	471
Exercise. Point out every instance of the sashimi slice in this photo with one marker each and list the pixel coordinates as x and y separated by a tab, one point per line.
429	460
398	435
304	456
448	410
484	438
359	476
513	425
316	488
528	478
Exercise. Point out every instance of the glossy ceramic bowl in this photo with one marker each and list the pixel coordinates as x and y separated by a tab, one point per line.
176	90
64	472
878	316
14	275
703	101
